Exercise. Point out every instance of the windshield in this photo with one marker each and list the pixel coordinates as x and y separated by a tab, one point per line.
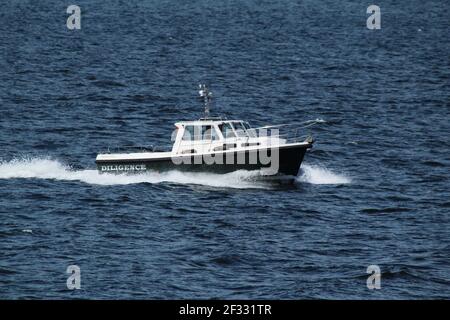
240	129
251	132
227	130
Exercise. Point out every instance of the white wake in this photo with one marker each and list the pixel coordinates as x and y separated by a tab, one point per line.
40	168
44	168
315	174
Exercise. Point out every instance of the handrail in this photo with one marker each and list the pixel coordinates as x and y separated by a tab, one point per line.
307	123
137	149
290	135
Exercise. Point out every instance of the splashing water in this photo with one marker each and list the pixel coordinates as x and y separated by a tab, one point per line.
39	168
318	175
52	169
317	120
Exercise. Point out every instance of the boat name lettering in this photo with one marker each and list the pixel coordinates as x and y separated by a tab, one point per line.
126	167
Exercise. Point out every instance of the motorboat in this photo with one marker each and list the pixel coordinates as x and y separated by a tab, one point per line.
214	144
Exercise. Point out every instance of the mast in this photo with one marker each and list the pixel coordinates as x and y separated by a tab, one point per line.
207	96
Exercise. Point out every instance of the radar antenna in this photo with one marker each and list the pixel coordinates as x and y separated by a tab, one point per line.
207	96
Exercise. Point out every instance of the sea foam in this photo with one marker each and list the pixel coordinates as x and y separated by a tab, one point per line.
46	168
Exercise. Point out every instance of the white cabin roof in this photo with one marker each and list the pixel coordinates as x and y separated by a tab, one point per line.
205	122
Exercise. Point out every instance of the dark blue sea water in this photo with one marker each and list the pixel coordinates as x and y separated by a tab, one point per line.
374	190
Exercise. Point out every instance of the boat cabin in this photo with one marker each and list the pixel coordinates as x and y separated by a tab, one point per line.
210	135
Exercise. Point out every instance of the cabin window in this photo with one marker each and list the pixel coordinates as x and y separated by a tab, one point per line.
198	133
174	135
188	133
209	133
215	134
240	129
251	132
227	130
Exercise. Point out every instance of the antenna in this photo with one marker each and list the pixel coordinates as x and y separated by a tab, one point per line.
207	96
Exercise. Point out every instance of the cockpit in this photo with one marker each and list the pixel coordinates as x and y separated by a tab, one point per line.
234	129
213	131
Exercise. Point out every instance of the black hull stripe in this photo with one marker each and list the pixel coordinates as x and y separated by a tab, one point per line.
140	160
290	160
